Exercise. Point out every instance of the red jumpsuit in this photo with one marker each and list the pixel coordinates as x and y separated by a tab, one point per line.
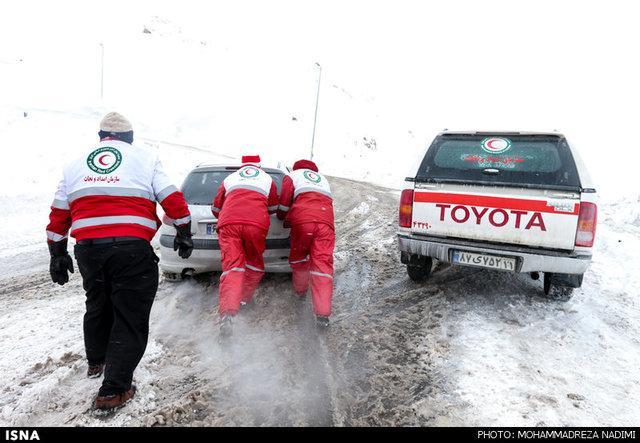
242	206
307	206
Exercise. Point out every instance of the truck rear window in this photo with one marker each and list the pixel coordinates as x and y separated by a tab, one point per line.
535	160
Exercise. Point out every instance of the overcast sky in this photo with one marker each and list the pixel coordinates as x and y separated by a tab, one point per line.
530	65
464	63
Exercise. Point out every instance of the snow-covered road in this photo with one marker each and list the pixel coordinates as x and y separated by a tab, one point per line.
468	347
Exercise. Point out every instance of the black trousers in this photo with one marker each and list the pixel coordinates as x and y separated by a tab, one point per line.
121	280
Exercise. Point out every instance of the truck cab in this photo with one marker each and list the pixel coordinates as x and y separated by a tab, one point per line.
510	201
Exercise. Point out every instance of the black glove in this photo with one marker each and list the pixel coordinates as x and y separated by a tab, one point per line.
61	262
183	242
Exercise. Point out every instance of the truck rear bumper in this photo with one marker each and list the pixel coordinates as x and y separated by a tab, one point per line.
529	260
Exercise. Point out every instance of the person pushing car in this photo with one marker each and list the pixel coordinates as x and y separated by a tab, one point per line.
106	200
306	205
242	206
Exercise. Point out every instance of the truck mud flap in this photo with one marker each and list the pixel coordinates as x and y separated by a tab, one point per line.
568	280
413	259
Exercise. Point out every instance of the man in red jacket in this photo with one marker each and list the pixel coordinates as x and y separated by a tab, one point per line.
242	206
107	201
306	205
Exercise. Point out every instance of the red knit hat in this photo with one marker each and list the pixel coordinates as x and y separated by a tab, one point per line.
253	159
305	164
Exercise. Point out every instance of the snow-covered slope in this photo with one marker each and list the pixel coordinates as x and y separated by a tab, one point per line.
241	77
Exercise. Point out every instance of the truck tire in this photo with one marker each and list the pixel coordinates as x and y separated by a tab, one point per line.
555	291
420	272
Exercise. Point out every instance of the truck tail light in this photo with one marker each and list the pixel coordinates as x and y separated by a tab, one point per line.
587	221
406	208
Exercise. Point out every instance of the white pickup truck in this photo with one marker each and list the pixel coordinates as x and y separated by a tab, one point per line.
517	202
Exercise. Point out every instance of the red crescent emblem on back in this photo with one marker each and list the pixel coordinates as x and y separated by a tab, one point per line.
100	159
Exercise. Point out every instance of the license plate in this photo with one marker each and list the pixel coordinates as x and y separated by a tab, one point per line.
211	228
484	260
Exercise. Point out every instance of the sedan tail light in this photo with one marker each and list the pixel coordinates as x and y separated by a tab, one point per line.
406	208
587	221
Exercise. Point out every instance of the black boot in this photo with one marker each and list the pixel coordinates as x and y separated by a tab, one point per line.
322	322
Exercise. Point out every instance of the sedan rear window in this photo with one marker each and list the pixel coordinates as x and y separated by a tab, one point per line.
535	160
201	187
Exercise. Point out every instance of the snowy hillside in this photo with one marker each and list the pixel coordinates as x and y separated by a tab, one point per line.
198	75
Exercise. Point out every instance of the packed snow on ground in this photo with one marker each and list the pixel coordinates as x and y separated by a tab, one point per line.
470	347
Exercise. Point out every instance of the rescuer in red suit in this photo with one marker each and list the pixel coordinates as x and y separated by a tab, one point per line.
242	206
306	205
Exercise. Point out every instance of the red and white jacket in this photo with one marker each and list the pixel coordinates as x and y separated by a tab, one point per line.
112	191
306	198
246	197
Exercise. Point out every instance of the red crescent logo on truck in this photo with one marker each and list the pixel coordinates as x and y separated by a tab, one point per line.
496	145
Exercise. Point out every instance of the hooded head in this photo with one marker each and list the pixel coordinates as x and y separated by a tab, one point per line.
305	164
251	160
115	125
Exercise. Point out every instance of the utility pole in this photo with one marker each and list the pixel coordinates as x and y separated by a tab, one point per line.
101	71
315	117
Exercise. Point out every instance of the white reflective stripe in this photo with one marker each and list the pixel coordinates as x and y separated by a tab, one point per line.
110	191
166	192
283	208
231	270
249	187
183	220
214	209
60	204
272	208
55	237
300	261
253	268
320	274
311	189
112	220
